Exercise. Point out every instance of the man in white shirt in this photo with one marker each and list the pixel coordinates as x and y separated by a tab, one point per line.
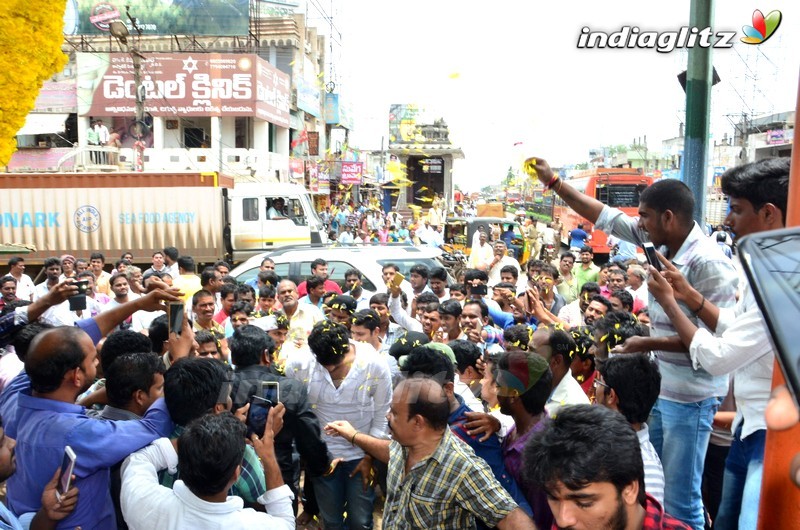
346	381
630	385
209	454
52	271
25	287
557	347
499	260
482	254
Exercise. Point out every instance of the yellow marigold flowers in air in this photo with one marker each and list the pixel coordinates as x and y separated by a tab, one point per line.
530	168
31	33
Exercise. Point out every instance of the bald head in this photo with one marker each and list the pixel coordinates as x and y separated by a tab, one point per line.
54	353
287	294
425	397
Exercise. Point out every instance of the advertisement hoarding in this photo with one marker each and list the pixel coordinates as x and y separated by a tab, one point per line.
183	84
165	17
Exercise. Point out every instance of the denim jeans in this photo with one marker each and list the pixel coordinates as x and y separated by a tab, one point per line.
339	493
679	433
741	487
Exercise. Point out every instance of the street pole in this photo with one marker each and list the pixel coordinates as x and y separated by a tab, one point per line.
138	145
698	104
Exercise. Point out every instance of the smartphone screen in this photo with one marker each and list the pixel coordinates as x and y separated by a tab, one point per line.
176	317
270	390
67	468
652	257
479	289
257	416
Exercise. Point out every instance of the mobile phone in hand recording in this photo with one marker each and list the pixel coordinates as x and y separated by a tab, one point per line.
479	289
176	317
78	302
257	416
270	390
397	279
67	468
652	257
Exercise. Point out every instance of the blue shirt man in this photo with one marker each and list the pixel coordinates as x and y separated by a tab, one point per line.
578	237
61	364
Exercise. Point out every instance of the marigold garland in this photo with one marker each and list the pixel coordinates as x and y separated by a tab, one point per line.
31	33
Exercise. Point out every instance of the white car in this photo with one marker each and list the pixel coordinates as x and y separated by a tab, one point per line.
295	262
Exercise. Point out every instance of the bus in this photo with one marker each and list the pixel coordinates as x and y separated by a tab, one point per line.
616	187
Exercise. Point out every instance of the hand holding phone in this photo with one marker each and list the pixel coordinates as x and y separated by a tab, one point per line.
78	302
67	468
257	416
176	313
397	280
652	256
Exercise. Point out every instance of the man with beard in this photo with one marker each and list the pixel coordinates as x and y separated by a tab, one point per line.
589	462
574	313
319	267
586	270
61	365
302	317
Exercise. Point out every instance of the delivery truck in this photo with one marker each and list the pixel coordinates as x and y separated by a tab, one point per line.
203	215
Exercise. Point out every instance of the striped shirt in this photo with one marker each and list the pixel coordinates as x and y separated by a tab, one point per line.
653	472
447	490
706	268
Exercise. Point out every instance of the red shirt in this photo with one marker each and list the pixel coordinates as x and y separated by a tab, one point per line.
329	286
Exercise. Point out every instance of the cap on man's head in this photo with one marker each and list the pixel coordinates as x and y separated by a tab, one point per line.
403	345
344	303
68	257
267	323
524	370
444	349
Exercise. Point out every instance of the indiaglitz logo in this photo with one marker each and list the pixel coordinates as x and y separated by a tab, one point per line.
763	27
87	219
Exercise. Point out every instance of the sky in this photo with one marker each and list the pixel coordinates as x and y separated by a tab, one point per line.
506	72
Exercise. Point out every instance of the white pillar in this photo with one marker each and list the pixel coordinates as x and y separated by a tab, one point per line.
216	141
83	127
159	126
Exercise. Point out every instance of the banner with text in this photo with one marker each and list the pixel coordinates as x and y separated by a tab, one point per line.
183	84
351	172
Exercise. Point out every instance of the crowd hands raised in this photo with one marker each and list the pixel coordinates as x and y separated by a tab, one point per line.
561	396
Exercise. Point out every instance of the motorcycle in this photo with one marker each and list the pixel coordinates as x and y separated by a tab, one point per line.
549	252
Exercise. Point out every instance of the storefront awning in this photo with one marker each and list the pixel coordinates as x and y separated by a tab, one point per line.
43	124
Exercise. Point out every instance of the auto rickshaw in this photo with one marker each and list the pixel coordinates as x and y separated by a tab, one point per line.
459	231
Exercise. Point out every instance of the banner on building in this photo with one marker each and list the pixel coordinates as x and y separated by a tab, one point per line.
313	177
165	17
296	169
352	172
336	112
313	143
185	85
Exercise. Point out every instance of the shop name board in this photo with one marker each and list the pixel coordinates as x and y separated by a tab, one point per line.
192	85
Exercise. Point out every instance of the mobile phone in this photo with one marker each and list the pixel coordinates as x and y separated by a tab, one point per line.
257	416
652	257
769	260
176	317
478	289
270	390
67	468
398	279
78	302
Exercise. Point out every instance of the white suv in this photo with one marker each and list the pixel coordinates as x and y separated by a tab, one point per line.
295	262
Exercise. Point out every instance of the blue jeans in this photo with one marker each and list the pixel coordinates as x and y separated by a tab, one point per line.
679	433
741	487
339	493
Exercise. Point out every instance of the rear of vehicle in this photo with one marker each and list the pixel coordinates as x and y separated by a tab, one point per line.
618	188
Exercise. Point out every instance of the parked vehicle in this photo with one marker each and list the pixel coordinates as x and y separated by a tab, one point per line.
203	215
459	231
294	262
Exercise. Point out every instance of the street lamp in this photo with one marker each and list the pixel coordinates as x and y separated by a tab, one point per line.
120	31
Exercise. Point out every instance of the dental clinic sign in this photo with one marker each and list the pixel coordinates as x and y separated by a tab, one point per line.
182	84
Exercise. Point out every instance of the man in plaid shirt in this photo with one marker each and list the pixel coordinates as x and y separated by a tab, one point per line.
589	463
435	481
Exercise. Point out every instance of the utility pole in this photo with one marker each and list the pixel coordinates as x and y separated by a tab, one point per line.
698	104
120	31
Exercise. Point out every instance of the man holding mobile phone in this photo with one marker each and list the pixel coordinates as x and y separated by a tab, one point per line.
681	419
736	339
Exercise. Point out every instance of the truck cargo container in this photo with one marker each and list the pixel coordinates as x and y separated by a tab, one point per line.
203	215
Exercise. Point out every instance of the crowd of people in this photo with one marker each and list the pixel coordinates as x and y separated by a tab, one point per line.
548	394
